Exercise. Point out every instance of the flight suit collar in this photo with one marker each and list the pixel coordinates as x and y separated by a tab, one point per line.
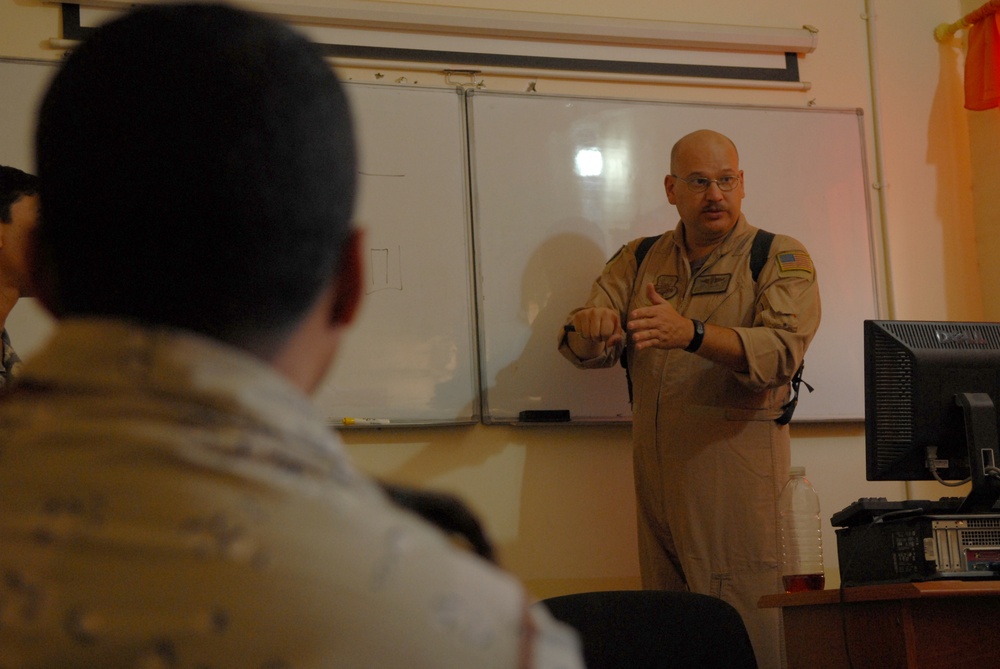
737	241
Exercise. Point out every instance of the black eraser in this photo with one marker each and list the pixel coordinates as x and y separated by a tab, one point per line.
544	416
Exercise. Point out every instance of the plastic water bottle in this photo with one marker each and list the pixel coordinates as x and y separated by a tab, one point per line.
800	534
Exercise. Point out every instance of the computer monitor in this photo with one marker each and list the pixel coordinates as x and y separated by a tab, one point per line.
932	403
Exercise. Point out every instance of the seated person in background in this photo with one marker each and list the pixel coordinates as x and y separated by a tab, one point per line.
18	216
170	497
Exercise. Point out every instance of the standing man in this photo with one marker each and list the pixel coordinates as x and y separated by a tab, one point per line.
170	496
711	353
18	216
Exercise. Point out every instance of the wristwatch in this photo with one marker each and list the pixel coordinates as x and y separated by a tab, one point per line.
699	335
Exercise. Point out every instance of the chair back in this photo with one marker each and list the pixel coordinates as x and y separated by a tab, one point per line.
655	629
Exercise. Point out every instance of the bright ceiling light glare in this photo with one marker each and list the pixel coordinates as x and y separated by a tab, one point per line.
589	162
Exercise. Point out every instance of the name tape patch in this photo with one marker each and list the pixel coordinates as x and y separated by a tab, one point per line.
711	283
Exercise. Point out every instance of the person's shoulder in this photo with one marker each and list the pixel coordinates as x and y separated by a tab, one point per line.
649	242
783	242
629	249
791	257
786	254
746	234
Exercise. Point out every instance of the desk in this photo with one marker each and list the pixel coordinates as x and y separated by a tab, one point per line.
933	625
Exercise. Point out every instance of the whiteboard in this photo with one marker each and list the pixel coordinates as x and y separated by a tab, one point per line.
411	356
543	232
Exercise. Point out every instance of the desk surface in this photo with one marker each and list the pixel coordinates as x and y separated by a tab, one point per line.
947	624
868	593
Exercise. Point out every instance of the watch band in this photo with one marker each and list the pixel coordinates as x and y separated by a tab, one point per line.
699	336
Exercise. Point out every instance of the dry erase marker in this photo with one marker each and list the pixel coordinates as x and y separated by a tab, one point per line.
366	421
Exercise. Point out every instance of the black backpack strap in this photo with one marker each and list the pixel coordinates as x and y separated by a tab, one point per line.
640	254
759	252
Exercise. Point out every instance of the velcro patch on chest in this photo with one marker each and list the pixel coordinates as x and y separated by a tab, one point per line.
794	261
666	285
711	283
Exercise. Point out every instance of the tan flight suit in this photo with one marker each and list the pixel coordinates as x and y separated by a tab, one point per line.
709	459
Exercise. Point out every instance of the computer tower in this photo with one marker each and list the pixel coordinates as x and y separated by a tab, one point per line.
920	548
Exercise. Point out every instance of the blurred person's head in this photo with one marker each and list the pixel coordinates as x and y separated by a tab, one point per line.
197	168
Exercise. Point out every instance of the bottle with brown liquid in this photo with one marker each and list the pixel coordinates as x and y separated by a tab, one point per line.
800	534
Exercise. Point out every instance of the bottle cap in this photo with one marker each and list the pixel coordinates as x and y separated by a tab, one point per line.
797	470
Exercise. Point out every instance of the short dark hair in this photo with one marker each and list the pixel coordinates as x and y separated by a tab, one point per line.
14	184
197	168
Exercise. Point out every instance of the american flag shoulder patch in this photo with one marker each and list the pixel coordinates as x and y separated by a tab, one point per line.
794	261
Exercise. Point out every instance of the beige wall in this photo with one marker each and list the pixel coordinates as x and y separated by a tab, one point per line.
559	500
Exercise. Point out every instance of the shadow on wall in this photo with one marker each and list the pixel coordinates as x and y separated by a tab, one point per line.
558	502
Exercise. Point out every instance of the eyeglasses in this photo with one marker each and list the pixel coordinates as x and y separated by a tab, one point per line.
701	184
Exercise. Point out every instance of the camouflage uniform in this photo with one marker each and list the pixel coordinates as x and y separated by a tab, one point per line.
11	363
170	501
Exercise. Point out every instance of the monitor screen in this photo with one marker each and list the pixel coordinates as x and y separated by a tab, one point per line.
932	402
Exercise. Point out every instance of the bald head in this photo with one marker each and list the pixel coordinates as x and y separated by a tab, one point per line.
699	142
709	208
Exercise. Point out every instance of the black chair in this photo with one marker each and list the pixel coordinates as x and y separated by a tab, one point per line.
655	629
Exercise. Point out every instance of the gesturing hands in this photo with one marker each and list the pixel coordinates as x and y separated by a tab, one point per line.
659	325
594	330
599	324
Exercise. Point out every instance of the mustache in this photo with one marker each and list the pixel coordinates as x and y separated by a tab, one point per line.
714	208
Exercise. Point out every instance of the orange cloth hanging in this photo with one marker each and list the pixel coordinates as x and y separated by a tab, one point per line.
982	63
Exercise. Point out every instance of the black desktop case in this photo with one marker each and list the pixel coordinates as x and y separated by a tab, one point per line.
920	548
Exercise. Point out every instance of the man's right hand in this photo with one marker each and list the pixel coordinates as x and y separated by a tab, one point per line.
595	329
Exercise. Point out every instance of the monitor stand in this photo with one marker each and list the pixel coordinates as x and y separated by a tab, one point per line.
981	436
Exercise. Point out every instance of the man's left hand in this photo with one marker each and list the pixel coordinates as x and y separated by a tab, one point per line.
659	325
